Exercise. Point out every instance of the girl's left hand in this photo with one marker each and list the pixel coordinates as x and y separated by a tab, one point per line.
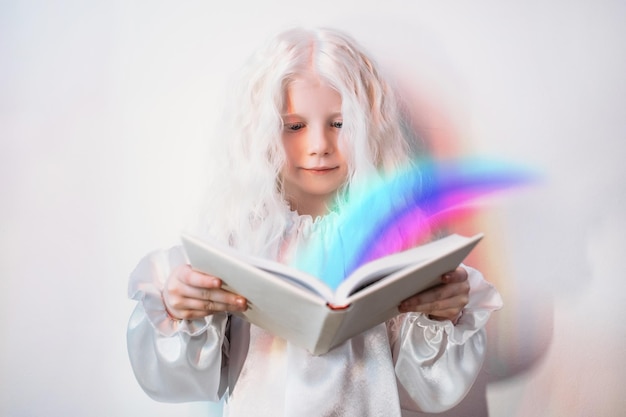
442	302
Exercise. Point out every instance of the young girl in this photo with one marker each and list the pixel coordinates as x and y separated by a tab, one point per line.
313	119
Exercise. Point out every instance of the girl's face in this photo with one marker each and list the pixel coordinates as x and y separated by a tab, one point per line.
315	168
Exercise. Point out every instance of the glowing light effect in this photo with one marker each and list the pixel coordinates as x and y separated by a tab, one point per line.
400	212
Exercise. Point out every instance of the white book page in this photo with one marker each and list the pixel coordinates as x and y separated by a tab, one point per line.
374	271
283	273
369	273
294	276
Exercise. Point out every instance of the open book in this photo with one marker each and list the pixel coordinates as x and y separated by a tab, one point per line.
300	308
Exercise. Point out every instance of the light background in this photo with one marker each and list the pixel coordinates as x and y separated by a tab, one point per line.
105	111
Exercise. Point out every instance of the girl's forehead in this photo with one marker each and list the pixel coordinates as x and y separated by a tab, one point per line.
311	93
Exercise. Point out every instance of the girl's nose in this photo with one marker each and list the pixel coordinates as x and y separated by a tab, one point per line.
320	142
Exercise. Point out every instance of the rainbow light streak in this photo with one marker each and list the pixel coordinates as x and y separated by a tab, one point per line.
400	212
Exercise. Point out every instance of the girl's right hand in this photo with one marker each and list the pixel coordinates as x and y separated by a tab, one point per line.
189	295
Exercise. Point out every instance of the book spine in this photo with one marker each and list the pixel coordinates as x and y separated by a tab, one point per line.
327	332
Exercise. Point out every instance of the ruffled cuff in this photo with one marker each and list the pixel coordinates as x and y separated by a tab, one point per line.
145	286
483	300
437	361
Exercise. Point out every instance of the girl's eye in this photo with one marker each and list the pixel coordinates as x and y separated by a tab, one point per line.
337	124
294	126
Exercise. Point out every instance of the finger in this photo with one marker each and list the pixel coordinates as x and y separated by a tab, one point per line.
217	296
203	299
214	292
193	314
453	315
211	306
184	280
194	284
439	307
458	275
439	298
205	293
190	308
227	304
439	292
196	279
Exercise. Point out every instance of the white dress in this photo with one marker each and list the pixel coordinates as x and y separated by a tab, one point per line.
409	363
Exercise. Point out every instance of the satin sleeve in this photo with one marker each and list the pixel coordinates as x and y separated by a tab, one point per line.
436	362
173	360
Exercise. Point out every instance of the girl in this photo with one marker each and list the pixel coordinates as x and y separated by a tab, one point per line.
313	118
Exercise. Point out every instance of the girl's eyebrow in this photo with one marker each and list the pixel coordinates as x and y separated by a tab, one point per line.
292	118
296	115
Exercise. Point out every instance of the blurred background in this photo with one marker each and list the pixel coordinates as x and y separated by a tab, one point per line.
105	113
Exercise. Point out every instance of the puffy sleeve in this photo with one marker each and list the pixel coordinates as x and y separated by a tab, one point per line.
436	362
173	360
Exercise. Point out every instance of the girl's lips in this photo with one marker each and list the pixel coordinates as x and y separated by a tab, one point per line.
320	170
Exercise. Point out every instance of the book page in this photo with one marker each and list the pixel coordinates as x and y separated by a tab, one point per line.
288	274
378	269
294	276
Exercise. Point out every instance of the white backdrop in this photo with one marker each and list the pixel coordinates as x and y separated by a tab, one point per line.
105	108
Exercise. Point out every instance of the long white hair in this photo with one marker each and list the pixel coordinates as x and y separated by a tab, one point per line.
245	205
